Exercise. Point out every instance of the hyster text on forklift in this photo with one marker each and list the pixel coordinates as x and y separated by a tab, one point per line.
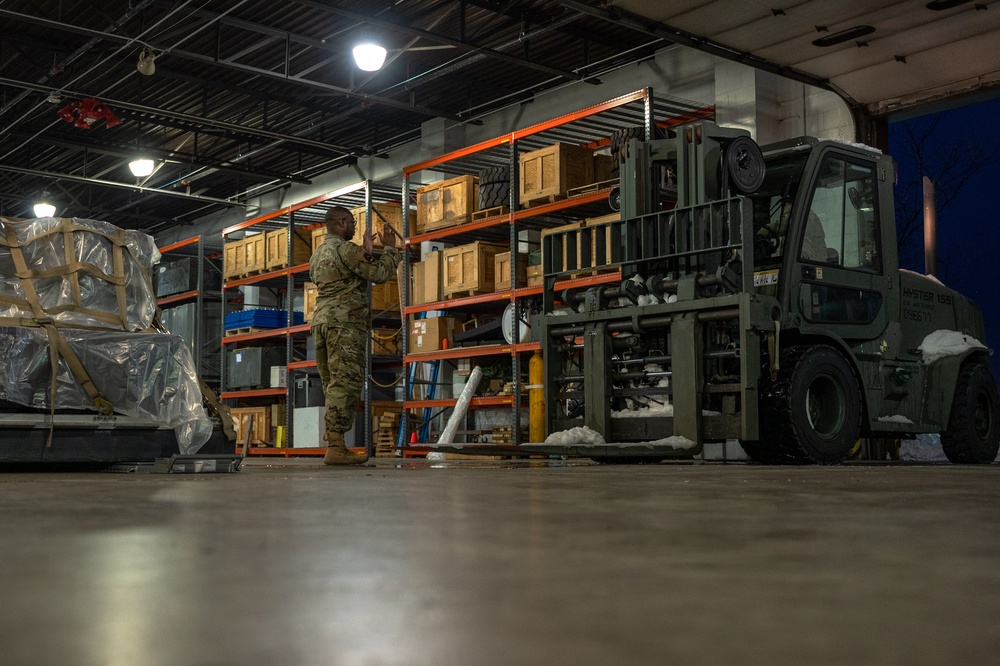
761	300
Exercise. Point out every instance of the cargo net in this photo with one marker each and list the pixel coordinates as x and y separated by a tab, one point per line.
76	294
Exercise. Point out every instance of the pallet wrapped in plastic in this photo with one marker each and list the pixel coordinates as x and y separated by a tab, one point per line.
89	281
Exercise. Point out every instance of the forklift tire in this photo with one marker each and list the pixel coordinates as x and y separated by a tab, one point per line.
973	434
813	410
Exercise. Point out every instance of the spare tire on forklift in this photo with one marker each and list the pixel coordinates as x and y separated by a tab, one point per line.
973	434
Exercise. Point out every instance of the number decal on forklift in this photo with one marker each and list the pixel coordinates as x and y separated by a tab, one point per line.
762	278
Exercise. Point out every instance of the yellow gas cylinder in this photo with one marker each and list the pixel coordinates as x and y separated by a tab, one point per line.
536	398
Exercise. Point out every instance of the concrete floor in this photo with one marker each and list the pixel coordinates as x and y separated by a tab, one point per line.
503	563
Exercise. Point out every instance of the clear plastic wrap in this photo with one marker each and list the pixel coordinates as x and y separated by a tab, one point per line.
103	288
42	242
141	374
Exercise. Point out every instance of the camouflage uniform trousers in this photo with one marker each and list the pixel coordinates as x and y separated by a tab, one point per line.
340	359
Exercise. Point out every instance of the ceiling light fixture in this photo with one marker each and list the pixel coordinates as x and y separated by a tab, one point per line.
369	57
147	63
141	167
43	208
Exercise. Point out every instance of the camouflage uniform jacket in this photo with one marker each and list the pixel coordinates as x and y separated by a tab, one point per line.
342	271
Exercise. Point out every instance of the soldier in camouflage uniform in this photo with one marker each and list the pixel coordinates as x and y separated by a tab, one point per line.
342	321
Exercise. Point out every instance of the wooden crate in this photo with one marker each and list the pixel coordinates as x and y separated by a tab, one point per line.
592	221
548	172
309	293
254	255
385	342
385	296
447	204
535	276
318	236
276	249
502	270
470	268
547	232
603	168
232	259
259	418
428	276
393	214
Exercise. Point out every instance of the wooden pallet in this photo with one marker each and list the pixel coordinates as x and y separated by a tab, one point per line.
247	329
541	201
593	187
462	293
385	437
490	212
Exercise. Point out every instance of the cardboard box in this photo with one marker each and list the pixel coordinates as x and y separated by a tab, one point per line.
233	257
427	335
427	279
447	204
501	271
309	293
548	172
534	276
470	268
385	296
279	376
276	248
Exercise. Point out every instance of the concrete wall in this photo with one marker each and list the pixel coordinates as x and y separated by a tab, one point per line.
770	107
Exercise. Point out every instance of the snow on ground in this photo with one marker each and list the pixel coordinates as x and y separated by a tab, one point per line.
580	436
895	418
656	409
942	343
675	441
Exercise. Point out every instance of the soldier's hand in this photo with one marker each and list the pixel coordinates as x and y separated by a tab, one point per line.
367	242
387	238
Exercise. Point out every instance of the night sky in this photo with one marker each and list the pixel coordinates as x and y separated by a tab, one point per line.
969	228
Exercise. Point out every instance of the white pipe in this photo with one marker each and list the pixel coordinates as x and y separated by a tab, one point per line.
461	407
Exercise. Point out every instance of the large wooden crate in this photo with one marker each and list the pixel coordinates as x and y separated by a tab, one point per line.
592	221
470	268
428	276
447	204
318	236
309	293
276	249
502	270
259	418
385	296
548	172
233	257
604	168
254	254
393	214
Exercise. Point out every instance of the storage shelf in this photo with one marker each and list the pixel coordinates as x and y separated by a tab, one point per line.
254	393
491	401
292	451
301	365
459	352
173	247
267	277
177	298
258	335
465	301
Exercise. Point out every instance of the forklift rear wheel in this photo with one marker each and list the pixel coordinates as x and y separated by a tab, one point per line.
973	434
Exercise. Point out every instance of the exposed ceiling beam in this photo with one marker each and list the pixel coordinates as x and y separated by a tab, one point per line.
648	26
162	155
110	183
196	120
211	60
442	39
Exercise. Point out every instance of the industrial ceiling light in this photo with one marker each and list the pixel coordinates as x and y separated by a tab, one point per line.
141	167
147	63
43	208
370	57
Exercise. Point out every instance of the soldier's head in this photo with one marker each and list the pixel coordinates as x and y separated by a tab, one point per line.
340	222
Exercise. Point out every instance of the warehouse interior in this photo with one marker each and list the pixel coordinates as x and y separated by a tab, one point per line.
252	124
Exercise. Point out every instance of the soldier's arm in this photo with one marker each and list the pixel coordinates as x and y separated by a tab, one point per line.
371	269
